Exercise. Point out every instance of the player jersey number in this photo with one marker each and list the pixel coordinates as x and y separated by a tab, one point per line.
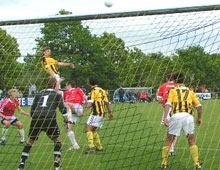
45	98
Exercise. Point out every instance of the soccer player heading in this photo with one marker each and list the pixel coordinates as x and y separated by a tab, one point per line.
74	98
96	119
50	64
43	113
7	118
181	101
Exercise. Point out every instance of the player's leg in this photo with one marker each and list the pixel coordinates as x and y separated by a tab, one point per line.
174	129
6	125
97	141
34	132
189	130
57	152
72	118
21	130
90	138
53	132
25	153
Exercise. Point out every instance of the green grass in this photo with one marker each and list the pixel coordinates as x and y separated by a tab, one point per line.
132	141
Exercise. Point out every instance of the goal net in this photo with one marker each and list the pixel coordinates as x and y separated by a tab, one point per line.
130	49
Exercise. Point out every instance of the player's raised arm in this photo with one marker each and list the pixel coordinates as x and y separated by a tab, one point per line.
66	64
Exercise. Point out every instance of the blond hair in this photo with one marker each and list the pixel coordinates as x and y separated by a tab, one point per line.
12	90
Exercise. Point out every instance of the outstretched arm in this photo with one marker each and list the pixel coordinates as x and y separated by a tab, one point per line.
66	64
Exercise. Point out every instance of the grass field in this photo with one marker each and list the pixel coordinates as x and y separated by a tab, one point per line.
132	141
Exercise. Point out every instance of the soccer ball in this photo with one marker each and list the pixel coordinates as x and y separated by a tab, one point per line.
108	4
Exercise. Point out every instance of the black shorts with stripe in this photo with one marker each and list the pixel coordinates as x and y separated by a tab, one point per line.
48	125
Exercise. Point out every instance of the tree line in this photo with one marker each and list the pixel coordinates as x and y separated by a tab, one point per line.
106	57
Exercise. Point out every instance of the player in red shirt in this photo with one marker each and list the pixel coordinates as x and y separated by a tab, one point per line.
7	118
74	98
162	98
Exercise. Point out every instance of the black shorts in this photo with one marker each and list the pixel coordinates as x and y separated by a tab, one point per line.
48	125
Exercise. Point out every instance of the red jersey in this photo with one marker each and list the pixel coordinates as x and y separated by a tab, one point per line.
8	107
163	91
74	95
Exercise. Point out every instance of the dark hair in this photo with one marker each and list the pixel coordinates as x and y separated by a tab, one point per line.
93	81
51	82
179	78
72	83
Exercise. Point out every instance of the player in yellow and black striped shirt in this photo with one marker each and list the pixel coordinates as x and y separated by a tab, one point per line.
182	100
98	101
50	65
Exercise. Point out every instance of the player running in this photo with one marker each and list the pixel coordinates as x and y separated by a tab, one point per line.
74	98
7	118
162	98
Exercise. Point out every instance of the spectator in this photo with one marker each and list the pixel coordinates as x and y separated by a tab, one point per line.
121	93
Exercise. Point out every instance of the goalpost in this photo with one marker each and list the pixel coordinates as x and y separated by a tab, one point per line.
131	49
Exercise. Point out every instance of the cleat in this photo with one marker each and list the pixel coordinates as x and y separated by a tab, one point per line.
164	166
99	149
21	166
198	166
2	142
172	153
23	142
57	168
90	150
75	147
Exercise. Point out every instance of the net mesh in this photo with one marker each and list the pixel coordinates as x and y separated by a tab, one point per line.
132	51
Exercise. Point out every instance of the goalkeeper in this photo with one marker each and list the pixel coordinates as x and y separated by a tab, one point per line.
50	64
43	113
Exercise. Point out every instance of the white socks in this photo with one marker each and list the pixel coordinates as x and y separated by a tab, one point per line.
4	133
21	132
72	138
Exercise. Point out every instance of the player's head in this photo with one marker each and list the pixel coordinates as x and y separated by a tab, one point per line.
93	81
13	93
46	51
179	78
51	83
70	84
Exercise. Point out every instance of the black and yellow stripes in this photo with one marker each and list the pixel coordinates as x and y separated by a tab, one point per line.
182	99
50	63
99	97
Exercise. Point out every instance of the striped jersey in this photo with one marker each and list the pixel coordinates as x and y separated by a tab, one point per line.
98	99
50	63
182	99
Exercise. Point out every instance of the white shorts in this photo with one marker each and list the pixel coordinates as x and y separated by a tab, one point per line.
78	110
12	120
181	121
96	121
57	76
168	116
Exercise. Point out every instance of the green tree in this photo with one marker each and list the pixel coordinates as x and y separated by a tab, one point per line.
10	69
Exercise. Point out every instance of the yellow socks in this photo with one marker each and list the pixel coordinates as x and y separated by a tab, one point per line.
90	139
195	154
97	140
165	154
